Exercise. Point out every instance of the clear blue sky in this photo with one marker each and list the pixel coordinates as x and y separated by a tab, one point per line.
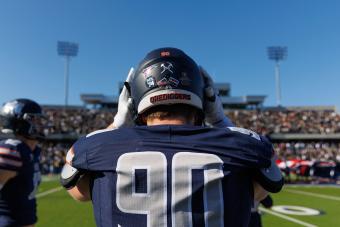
229	38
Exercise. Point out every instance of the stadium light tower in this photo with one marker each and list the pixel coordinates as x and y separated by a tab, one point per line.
277	53
67	50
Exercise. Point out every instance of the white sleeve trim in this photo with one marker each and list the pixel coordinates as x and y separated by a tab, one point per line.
100	131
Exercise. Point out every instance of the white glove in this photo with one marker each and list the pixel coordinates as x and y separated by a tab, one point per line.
212	105
124	116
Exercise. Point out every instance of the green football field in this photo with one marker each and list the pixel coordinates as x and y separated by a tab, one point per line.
56	208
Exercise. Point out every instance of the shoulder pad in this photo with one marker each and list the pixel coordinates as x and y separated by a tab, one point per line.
10	155
245	132
13	142
99	131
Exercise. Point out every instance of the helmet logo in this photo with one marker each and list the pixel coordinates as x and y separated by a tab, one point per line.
167	67
146	72
165	53
150	82
162	82
173	81
172	96
168	83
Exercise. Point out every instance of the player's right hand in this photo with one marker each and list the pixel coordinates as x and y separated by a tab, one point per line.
212	106
125	116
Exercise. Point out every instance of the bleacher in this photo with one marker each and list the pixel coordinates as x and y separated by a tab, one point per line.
298	133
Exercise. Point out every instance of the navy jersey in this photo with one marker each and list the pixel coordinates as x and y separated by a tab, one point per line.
17	197
172	175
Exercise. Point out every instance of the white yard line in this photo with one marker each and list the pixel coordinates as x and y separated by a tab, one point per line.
313	194
312	186
287	217
53	190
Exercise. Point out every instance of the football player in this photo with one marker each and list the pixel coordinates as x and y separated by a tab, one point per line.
19	162
169	169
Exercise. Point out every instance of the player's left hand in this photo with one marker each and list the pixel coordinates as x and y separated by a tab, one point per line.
124	116
212	106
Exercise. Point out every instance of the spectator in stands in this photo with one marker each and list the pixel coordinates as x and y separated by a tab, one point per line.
71	122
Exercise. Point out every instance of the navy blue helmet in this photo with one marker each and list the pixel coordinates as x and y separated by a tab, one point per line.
167	76
22	117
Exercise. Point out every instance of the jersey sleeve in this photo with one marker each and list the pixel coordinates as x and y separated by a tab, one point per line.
98	150
10	158
264	152
80	149
255	151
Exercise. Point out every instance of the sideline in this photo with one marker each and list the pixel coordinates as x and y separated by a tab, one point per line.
313	194
312	185
47	178
53	190
287	217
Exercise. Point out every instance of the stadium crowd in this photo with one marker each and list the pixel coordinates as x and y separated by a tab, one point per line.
53	156
287	121
80	121
311	151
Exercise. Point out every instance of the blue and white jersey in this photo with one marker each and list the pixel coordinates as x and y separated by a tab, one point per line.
172	175
17	197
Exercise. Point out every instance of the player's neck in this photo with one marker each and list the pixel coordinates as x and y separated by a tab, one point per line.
29	142
178	121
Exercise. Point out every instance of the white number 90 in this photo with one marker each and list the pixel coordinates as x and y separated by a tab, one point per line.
153	202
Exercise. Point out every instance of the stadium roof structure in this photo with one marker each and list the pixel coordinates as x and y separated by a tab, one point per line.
228	101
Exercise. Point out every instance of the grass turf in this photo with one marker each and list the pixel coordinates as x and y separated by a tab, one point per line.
329	207
58	209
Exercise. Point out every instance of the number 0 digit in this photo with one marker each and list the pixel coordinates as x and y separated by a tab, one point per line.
182	191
